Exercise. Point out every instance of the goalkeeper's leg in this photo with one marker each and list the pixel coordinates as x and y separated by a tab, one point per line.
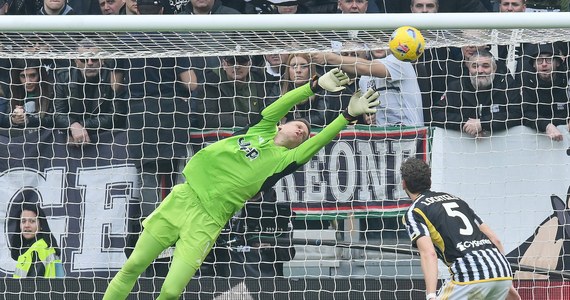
197	237
146	250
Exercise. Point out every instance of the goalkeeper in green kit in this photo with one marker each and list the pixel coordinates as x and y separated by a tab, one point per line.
221	177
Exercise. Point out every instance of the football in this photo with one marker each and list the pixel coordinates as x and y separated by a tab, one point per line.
407	43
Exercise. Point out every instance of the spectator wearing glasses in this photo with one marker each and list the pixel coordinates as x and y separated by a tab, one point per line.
544	90
86	96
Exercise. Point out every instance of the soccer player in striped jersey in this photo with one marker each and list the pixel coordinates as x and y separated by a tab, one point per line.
443	225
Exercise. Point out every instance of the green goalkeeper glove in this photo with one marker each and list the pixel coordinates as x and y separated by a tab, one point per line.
332	81
360	104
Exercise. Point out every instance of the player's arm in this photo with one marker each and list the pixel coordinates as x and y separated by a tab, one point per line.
353	65
428	259
415	222
358	105
332	81
492	236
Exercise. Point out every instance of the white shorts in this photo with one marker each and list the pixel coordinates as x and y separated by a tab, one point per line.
496	290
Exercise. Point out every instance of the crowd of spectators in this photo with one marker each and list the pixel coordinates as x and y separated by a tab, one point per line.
477	89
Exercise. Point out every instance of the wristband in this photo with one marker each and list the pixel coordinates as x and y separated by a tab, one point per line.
348	117
315	87
431	295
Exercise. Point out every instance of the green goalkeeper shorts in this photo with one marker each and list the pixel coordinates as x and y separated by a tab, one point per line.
182	219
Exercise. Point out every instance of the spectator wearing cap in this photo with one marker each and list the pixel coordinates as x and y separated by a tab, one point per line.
208	7
56	7
545	100
232	96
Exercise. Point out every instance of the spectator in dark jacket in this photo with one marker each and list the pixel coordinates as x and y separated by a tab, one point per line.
544	90
86	97
31	95
86	7
233	96
206	7
24	7
481	103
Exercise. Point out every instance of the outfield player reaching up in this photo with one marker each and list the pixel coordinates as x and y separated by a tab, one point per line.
442	225
222	176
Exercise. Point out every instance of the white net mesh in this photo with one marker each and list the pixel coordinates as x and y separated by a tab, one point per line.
333	228
218	43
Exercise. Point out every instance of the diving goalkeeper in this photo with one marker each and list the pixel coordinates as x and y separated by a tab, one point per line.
222	176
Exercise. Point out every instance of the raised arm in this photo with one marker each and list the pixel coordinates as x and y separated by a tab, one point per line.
332	81
353	65
359	104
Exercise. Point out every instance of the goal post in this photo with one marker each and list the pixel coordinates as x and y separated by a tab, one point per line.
347	201
235	34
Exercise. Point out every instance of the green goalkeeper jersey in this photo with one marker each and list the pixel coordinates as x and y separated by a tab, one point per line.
226	174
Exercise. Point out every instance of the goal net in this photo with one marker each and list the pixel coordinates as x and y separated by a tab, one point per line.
98	117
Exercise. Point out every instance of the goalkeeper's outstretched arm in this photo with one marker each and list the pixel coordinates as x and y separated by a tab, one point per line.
359	104
332	81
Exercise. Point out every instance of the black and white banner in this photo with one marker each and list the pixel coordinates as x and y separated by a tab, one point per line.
85	191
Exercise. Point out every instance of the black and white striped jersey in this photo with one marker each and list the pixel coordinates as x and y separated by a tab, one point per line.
454	230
